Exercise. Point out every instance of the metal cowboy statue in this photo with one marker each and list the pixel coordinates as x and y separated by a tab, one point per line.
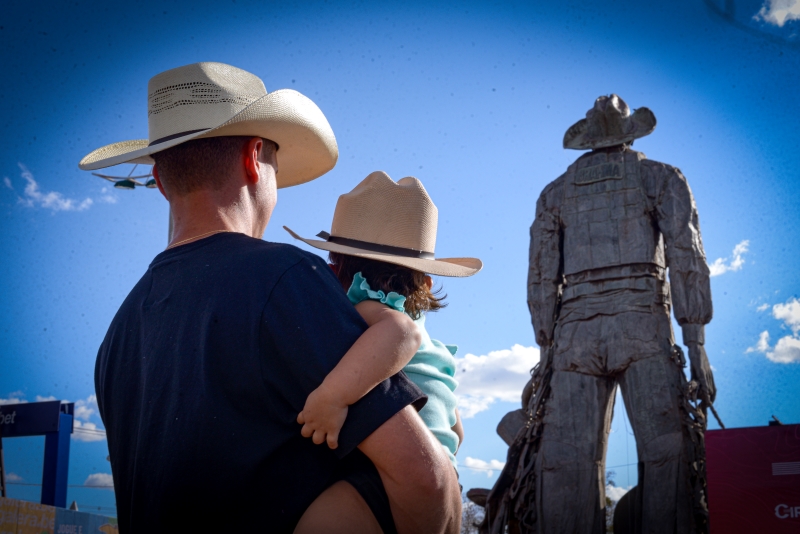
605	233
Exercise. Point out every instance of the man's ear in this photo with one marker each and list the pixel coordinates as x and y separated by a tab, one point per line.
158	182
251	159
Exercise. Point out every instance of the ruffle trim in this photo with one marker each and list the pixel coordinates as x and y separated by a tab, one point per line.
360	291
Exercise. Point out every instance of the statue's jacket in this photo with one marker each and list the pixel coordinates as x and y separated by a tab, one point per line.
605	233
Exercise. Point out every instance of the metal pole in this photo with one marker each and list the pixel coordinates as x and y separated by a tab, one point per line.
56	463
2	471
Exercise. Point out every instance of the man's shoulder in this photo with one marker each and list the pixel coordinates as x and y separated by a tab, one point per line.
230	249
277	255
657	167
553	192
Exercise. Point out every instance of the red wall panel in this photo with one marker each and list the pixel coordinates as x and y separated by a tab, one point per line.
754	480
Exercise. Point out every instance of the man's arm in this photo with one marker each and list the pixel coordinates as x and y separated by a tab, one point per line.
690	289
418	477
389	343
544	265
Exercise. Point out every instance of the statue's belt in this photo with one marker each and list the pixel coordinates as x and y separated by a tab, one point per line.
650	284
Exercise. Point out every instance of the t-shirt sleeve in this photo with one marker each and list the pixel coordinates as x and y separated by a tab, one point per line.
307	325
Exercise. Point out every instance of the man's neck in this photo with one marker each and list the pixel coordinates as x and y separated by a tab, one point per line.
205	212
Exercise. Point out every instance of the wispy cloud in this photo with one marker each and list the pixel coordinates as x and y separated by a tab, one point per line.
778	12
499	375
787	349
106	196
764	307
33	196
100	480
732	263
490	467
85	409
16	397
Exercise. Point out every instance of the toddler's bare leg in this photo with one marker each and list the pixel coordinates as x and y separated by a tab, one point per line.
340	509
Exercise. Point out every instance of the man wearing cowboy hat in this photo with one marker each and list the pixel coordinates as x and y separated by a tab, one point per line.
213	353
604	236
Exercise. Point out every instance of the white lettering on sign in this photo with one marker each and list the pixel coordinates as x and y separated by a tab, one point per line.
8	419
784	511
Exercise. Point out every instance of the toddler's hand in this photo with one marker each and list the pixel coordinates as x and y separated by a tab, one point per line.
322	417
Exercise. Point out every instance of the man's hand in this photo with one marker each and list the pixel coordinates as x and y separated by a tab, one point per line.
701	371
323	416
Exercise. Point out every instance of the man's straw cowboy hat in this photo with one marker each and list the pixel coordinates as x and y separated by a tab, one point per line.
390	221
214	100
609	123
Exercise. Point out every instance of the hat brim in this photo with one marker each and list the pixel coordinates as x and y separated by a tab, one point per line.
453	267
307	146
642	123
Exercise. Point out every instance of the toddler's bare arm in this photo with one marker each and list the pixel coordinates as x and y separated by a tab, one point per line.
383	349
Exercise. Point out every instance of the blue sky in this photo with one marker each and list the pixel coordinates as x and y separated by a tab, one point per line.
471	98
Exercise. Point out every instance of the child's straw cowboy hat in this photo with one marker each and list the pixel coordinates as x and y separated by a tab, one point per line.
393	222
214	100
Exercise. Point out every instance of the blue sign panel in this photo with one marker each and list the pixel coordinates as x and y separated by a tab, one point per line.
29	419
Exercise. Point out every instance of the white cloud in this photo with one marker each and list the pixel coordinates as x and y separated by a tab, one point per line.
763	307
789	313
51	200
779	12
100	480
787	349
87	432
13	477
500	375
490	467
762	345
13	398
724	265
615	493
106	196
8	182
84	409
39	398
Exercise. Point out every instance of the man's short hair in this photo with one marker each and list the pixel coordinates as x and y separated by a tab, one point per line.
204	163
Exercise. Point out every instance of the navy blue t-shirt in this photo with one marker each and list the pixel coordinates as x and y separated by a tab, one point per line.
202	374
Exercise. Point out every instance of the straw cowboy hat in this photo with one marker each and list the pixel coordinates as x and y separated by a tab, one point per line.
390	221
214	100
609	123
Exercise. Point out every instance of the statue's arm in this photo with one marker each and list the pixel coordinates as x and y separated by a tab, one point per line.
689	275
545	265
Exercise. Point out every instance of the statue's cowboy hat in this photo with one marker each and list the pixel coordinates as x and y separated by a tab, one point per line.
609	123
213	100
393	222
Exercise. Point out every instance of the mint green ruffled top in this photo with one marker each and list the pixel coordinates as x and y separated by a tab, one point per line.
432	369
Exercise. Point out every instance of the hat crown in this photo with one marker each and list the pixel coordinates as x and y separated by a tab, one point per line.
607	117
382	211
198	96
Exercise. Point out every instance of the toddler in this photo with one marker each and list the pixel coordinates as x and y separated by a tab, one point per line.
381	246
